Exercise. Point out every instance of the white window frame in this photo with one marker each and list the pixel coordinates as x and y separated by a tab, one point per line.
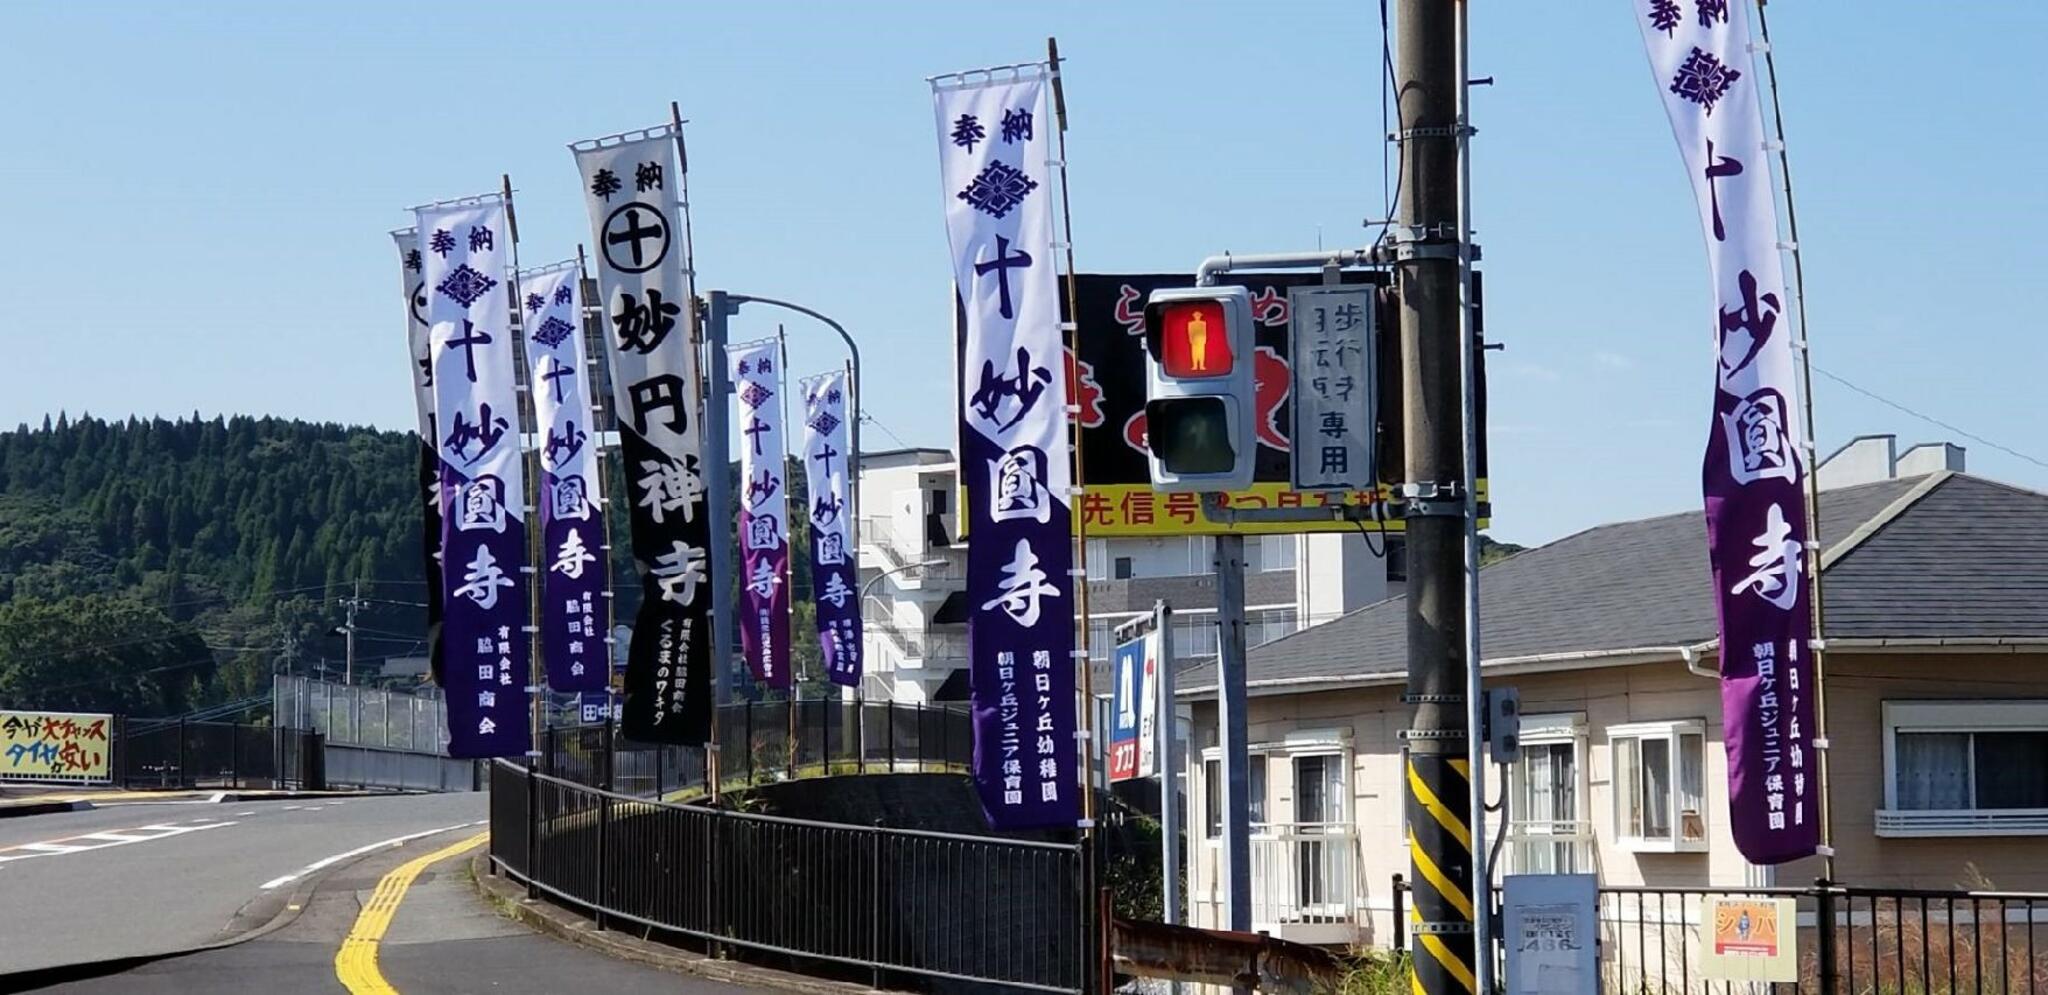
1553	729
1671	731
1330	742
1256	770
2005	715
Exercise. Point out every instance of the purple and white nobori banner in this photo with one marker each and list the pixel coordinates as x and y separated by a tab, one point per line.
994	152
465	246
630	187
828	481
413	268
1756	518
764	512
574	552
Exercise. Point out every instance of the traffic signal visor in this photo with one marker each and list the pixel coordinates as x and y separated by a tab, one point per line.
1199	387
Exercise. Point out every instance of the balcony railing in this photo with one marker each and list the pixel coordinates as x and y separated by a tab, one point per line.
1549	846
1305	883
914	648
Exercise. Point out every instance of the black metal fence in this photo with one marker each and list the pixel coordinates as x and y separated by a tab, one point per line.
771	740
182	754
884	905
1850	940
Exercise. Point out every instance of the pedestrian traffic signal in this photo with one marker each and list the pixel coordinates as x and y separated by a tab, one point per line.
1199	389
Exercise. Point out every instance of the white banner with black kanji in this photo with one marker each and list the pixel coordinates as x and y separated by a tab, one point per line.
631	187
574	550
995	152
412	283
764	512
466	248
828	483
1754	470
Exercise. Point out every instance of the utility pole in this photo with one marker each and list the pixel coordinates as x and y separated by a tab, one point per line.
1428	262
353	602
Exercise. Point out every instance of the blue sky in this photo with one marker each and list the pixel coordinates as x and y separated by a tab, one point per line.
194	197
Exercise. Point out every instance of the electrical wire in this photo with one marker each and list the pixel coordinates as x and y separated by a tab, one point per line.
869	419
1929	419
1389	94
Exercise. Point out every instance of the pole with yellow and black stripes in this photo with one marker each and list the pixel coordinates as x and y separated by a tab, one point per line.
1428	249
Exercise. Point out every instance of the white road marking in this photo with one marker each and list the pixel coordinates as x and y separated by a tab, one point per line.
212	799
240	814
102	840
359	851
312	808
289	808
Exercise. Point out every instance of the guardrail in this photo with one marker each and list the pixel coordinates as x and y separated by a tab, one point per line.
838	898
771	740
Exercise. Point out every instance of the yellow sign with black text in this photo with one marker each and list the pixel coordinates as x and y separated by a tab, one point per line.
55	746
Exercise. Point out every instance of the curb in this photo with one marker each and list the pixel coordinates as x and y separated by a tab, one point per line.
42	808
509	898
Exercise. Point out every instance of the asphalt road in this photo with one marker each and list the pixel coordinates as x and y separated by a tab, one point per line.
443	941
136	880
130	880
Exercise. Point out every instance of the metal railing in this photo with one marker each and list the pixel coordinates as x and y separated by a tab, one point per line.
1549	846
1851	940
836	898
186	754
771	741
1305	880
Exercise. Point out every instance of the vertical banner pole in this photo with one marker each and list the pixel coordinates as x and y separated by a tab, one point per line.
853	416
1071	335
604	414
788	648
721	650
1804	347
529	428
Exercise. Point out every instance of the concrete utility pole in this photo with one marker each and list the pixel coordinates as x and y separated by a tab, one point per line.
353	602
1427	268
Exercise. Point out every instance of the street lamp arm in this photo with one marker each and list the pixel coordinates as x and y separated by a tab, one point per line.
872	581
853	350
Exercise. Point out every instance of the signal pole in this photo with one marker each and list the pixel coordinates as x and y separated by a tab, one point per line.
1428	252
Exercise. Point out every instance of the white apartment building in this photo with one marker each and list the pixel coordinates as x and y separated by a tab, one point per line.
914	575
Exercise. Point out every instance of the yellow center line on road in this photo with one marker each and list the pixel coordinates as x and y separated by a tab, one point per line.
356	963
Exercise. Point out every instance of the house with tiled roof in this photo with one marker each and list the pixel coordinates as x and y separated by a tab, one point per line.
1936	699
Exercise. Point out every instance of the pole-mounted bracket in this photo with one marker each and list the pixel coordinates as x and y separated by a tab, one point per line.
1432	131
1434	734
1421	926
1438	241
1433	499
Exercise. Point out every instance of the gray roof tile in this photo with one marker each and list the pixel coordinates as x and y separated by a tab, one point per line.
1969	559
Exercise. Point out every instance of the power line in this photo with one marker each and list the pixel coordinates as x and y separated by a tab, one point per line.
876	422
1930	419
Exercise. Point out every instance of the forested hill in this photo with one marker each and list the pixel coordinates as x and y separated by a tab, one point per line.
147	566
